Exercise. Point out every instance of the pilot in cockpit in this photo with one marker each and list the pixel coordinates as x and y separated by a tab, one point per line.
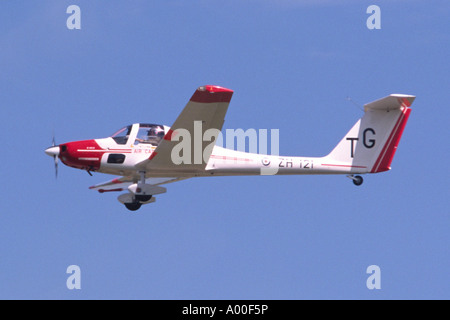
152	135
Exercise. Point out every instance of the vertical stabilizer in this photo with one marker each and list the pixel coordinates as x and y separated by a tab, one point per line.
371	143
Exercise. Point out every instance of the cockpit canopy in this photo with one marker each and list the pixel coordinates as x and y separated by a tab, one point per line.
145	133
121	136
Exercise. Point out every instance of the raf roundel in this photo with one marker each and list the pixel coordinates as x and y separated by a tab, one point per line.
265	162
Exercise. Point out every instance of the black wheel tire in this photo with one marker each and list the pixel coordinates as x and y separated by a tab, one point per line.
132	206
143	198
358	180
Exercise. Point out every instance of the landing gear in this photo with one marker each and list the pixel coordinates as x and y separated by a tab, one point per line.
143	197
140	193
133	206
357	180
138	201
133	202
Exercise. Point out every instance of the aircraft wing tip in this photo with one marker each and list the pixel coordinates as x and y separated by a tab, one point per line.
211	94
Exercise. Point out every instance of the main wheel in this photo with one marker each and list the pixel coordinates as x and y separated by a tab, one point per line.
358	180
143	197
132	206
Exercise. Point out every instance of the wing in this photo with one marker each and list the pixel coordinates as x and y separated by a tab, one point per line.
122	183
188	144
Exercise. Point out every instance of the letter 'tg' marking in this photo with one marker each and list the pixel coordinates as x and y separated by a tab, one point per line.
352	140
371	142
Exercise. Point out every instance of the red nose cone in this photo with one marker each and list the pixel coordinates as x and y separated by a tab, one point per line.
85	154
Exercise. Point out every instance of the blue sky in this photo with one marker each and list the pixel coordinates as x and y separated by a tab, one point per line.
291	64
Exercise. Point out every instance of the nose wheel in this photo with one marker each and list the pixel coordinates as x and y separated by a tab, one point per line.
357	180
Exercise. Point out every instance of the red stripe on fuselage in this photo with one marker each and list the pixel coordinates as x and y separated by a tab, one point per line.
231	158
343	165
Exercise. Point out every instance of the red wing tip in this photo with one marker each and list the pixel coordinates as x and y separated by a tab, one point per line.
211	94
212	89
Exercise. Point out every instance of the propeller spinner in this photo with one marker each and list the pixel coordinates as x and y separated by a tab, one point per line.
53	151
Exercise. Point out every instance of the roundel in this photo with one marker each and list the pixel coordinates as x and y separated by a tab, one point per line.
265	161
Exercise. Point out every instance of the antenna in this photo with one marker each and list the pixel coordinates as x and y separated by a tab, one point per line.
355	103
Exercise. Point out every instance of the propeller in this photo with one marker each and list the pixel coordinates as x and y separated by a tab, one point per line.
53	151
55	158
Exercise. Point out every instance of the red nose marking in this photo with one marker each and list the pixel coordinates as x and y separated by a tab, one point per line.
85	154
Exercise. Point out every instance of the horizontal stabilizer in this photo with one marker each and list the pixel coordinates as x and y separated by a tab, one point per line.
391	102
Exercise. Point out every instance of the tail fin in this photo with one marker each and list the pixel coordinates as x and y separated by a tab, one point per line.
371	144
